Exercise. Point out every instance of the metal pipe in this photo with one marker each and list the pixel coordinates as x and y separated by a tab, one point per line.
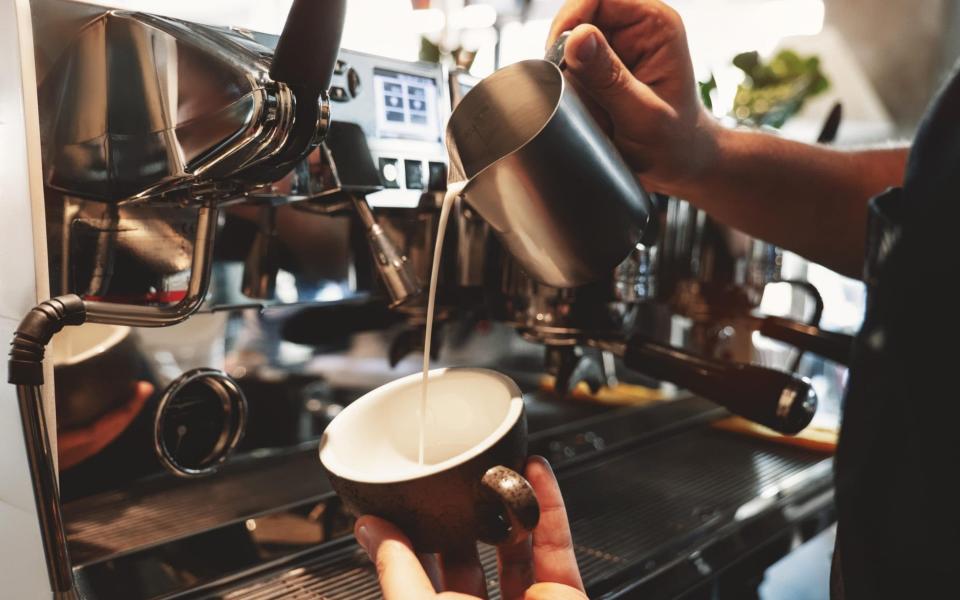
163	316
46	492
396	272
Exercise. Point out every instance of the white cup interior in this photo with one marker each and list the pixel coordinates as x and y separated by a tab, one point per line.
376	438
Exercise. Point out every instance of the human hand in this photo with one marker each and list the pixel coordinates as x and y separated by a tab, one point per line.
540	568
631	59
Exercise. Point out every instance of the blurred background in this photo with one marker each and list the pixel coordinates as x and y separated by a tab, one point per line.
882	60
780	64
900	49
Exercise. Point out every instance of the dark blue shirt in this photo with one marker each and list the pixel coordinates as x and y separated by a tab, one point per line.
898	461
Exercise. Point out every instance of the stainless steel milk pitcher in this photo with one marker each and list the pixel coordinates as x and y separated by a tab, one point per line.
540	170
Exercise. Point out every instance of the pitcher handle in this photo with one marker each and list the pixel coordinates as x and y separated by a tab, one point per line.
556	52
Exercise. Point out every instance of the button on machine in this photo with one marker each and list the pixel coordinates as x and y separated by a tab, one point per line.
338	94
353	82
390	172
401	108
438	177
414	172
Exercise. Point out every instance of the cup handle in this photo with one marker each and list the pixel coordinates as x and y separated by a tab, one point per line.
518	510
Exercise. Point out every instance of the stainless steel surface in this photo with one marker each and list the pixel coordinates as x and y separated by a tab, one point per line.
705	267
80	358
106	526
361	81
664	517
643	484
227	396
188	115
542	174
46	491
396	272
163	315
262	264
188	110
613	306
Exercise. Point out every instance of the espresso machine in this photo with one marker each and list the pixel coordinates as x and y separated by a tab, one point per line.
277	216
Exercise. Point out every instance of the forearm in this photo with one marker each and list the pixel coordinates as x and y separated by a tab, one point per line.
809	199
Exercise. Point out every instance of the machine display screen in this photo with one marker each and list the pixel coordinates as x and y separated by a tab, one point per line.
406	106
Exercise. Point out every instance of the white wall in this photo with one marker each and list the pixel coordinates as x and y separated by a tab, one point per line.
22	569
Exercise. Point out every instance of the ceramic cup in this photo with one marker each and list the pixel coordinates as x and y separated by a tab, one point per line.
469	487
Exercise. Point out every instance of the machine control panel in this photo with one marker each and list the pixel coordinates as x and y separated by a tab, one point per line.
402	108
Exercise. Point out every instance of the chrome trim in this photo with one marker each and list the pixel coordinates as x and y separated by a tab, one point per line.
43	472
137	107
162	316
233	399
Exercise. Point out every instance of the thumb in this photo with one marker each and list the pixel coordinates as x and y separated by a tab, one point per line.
602	74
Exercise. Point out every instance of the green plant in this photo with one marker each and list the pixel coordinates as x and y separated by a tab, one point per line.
773	91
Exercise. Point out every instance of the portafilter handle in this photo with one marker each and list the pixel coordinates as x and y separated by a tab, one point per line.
555	53
778	400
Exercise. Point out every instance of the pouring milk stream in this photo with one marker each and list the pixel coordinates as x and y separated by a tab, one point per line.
453	191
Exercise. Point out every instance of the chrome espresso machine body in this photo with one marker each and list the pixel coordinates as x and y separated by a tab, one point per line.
278	216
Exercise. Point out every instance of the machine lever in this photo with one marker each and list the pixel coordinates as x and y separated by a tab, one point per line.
307	51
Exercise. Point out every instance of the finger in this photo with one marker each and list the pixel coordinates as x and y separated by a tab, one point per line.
515	569
400	573
599	70
606	14
463	573
571	14
553	591
431	566
553	558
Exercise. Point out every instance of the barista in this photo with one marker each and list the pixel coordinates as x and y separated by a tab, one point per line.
898	527
892	209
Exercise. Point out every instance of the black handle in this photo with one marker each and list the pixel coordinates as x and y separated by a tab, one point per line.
775	399
832	125
307	51
518	501
837	347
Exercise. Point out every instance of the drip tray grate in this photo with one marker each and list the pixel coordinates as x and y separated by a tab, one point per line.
116	523
625	508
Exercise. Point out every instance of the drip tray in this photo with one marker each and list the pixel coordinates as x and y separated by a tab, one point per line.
647	514
113	524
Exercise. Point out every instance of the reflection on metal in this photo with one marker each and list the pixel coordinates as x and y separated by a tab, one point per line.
135	106
201	418
396	272
544	176
705	266
135	315
262	263
564	316
46	493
